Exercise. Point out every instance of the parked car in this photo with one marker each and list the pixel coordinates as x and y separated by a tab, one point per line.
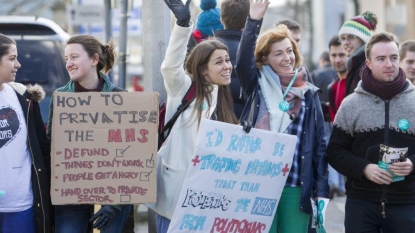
40	47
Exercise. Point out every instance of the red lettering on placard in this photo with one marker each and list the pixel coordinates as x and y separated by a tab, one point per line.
130	135
114	135
224	225
143	133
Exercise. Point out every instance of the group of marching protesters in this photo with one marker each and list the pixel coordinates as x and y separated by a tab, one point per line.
242	76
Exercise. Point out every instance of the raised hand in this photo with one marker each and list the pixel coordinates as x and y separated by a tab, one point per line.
181	11
258	8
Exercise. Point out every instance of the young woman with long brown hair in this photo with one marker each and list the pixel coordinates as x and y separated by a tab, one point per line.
209	67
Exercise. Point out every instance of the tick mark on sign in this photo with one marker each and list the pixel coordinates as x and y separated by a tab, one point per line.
120	152
196	160
150	162
149	173
285	169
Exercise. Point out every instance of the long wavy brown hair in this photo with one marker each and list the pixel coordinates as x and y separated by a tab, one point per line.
196	64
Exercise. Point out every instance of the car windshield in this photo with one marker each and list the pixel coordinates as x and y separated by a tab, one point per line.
42	62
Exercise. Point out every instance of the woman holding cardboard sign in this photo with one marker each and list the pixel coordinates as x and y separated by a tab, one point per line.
24	151
281	100
209	67
87	61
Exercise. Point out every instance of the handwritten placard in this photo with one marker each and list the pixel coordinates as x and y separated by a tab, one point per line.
104	148
234	181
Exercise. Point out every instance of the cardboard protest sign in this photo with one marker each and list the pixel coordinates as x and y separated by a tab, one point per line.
104	147
234	181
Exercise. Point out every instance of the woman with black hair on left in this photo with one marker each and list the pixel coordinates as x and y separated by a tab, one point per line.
24	151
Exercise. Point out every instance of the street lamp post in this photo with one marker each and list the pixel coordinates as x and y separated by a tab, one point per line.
122	54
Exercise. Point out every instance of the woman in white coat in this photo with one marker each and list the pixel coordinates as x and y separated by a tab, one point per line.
209	67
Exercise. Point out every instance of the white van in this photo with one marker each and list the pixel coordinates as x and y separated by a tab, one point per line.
40	45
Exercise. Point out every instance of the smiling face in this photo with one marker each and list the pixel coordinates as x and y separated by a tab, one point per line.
281	57
9	66
351	43
79	65
384	61
219	68
408	65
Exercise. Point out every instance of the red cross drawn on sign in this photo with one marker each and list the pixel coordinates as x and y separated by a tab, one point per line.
196	160
285	169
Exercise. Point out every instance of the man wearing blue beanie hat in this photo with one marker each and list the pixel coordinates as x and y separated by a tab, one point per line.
209	19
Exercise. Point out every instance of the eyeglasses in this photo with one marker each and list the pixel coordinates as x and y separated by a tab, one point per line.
349	38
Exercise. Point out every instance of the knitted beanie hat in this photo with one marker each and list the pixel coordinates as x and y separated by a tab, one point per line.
361	26
208	20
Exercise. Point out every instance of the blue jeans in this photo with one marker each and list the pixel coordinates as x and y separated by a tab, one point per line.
336	180
162	223
328	126
18	222
75	218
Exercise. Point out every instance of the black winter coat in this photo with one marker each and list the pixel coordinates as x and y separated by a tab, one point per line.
353	75
39	148
231	39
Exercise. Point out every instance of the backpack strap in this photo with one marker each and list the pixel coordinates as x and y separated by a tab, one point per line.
186	101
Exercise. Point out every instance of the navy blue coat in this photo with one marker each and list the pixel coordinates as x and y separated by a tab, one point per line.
313	172
231	39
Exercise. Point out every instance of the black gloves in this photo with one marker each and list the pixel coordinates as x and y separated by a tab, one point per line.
105	216
181	11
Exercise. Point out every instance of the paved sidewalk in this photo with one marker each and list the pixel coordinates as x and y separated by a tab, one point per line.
141	220
335	215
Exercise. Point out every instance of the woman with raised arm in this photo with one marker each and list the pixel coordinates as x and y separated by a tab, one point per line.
87	62
209	67
281	100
